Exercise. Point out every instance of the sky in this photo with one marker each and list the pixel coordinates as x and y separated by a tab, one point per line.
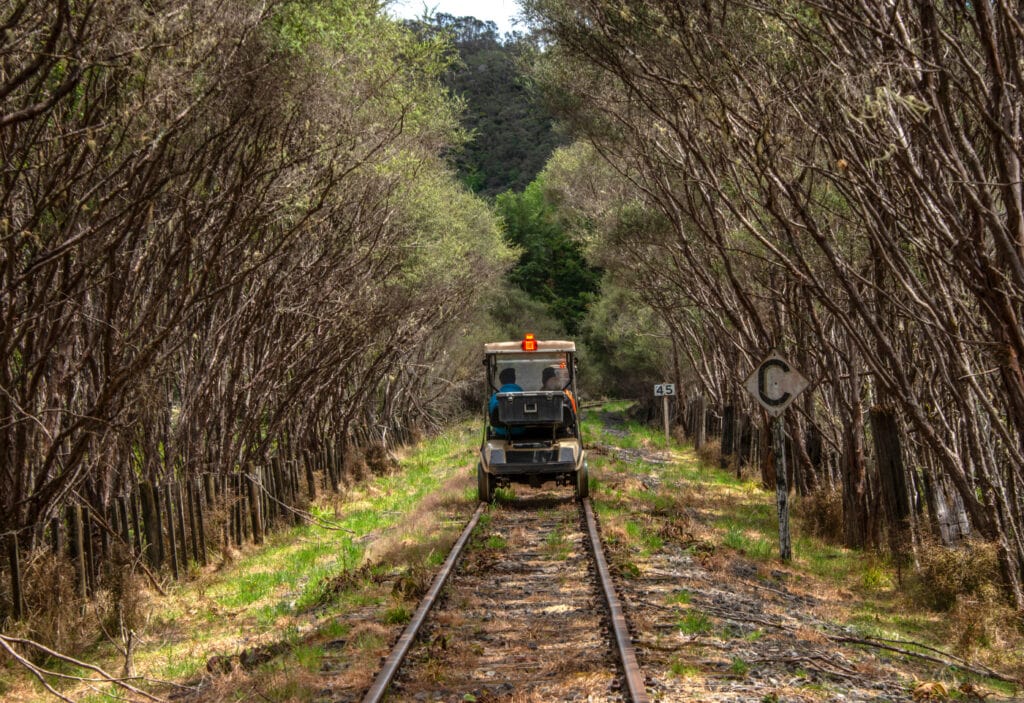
500	12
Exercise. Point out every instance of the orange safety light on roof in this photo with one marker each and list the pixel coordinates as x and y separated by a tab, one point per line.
529	342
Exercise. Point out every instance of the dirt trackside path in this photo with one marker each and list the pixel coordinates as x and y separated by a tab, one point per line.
717	617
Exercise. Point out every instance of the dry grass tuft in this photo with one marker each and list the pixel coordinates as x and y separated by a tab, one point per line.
711	452
425	530
355	469
984	622
379	460
964	583
821	514
948	574
56	617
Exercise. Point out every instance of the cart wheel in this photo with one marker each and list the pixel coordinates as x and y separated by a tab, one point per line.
484	484
582	482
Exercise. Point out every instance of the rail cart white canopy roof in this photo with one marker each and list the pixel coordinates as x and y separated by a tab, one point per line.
555	345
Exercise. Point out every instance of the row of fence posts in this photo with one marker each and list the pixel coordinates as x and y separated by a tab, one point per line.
168	524
741	437
739	433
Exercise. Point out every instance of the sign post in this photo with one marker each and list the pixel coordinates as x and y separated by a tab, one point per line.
774	384
664	390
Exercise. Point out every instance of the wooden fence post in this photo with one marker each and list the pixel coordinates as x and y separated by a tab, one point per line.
77	548
190	496
149	520
265	477
158	493
699	423
209	489
172	541
56	544
310	478
90	554
122	515
283	486
728	435
133	503
201	524
17	600
103	512
176	490
254	510
236	508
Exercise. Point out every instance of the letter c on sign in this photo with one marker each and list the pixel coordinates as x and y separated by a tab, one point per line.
762	382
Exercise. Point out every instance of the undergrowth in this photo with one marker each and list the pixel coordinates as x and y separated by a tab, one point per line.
951	602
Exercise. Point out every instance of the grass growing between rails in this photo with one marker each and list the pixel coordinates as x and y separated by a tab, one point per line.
655	503
314	600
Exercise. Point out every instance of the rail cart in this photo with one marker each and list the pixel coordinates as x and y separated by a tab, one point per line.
531	430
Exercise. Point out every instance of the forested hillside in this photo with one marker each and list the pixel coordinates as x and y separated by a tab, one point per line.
511	135
511	128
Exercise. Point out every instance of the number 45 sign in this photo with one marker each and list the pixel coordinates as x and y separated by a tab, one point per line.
661	389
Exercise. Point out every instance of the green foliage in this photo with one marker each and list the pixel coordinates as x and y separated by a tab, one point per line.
556	546
308	656
512	312
624	347
682	597
551	267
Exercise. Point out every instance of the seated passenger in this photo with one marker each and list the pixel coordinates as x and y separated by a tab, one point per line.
508	385
551	382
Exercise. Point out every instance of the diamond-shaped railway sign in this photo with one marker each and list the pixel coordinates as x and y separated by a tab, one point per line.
774	384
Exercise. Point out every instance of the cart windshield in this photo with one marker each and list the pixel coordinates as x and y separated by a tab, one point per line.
534	371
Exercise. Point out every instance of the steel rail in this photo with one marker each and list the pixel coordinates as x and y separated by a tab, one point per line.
634	677
401	648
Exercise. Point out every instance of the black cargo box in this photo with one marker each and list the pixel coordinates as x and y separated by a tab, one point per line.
532	408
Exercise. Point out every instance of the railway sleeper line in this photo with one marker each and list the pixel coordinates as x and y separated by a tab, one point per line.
525	615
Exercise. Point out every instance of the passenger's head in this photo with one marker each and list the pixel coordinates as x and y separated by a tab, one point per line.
507	376
547	374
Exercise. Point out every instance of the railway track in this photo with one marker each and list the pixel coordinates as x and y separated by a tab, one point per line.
523	609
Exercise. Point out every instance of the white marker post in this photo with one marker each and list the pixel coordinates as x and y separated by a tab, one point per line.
774	384
664	390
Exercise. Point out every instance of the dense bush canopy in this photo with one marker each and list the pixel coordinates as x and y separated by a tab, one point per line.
838	181
222	226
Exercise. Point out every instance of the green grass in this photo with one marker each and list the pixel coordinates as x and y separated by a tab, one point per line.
367	640
308	656
335	629
738	514
398	615
495	542
556	546
297	571
642	537
739	667
182	666
682	597
683	670
695	622
755	547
